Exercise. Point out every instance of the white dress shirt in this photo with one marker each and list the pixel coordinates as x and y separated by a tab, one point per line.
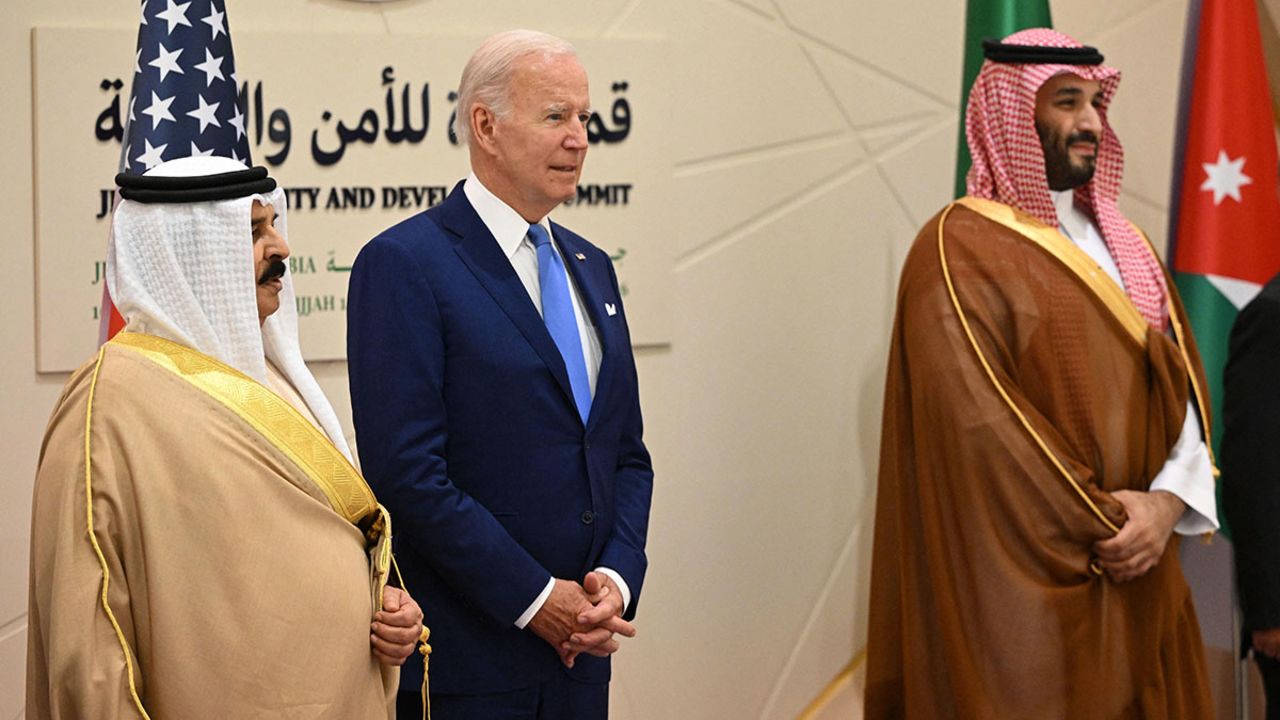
512	233
1187	472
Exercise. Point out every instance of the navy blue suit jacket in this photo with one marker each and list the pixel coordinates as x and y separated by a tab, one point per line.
468	433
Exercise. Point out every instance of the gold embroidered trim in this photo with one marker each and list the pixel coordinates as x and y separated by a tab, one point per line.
973	342
841	683
1071	256
278	421
93	538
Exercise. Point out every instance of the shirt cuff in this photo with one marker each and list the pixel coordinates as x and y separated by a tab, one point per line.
1188	474
537	604
622	585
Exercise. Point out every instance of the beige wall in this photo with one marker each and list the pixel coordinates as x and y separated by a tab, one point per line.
813	137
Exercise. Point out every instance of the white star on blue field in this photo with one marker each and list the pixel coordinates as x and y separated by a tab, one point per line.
184	84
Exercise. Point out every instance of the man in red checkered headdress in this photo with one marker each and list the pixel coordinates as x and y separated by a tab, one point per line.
1044	436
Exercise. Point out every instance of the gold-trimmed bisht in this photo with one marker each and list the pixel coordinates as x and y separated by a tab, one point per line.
347	492
1078	262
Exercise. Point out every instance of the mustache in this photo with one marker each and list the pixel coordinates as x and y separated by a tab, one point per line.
276	269
1085	136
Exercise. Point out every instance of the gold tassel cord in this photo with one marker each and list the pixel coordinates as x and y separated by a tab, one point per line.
93	538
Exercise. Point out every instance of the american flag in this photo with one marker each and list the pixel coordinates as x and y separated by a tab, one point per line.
185	98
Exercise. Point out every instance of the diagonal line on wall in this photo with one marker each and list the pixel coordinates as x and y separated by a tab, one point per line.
785	206
842	559
754	13
1130	17
623	15
914	122
734	158
922	130
919	121
875	157
767	215
13	627
754	9
808	38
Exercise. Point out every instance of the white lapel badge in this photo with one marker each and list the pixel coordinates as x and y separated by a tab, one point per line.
611	309
580	257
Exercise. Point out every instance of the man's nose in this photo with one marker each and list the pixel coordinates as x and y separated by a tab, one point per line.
279	248
577	137
1090	119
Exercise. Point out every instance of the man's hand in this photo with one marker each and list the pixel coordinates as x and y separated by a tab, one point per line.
557	619
603	619
1141	542
396	627
1267	642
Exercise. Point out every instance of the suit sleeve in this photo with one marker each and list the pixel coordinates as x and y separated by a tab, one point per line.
625	550
1251	459
396	353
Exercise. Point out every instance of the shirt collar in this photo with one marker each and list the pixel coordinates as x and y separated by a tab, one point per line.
506	225
1070	217
1063	201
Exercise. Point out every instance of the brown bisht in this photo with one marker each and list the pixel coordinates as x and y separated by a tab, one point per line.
1024	388
186	559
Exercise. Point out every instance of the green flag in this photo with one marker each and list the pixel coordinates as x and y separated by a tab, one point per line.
990	19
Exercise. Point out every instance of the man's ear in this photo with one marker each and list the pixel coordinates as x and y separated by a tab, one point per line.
483	128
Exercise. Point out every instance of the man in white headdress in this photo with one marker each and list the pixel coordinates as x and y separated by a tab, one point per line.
202	545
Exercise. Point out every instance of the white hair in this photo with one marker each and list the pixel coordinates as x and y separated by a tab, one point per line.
486	79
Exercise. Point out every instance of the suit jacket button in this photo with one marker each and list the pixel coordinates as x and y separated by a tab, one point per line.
588	517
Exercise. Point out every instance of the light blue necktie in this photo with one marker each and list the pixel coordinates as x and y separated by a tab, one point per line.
557	313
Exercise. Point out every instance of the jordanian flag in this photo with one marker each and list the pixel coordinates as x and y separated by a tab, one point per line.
1225	222
990	19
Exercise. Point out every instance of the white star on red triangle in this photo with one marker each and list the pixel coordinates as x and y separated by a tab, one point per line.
1225	177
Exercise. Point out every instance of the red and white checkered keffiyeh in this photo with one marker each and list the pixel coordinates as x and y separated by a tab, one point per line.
1008	162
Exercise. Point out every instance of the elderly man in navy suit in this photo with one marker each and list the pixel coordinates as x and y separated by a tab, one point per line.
497	411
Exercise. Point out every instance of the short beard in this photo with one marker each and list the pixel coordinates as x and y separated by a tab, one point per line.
1062	175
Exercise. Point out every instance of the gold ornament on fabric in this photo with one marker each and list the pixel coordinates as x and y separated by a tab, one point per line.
269	414
1077	261
287	430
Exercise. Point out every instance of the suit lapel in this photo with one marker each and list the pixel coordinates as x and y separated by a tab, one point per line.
592	280
480	252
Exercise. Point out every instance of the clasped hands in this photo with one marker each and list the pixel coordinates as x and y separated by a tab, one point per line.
582	618
1132	552
396	628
